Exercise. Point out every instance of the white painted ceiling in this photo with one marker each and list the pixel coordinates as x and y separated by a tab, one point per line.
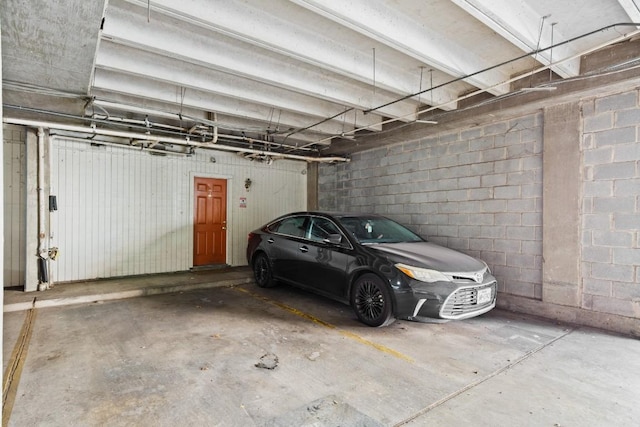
298	73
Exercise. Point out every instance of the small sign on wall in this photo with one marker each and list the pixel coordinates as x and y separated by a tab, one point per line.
243	202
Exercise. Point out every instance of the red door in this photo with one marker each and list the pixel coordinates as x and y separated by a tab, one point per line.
210	222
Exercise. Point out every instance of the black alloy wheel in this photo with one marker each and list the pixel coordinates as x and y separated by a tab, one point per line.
371	300
262	271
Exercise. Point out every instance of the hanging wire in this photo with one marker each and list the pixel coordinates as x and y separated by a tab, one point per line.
431	85
551	52
420	85
419	92
373	99
533	66
278	124
183	92
295	131
344	121
355	117
270	119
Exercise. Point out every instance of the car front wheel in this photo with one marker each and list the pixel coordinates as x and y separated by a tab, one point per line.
371	300
262	272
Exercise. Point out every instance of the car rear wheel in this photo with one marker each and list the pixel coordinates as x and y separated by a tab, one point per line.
371	300
262	272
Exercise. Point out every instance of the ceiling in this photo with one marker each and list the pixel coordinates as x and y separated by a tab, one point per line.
288	76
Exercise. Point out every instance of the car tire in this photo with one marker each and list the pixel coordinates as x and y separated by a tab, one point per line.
262	272
371	300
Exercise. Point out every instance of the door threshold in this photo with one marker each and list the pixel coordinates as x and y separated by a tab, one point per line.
209	267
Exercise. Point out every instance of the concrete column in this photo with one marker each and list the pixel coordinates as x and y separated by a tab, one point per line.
312	186
562	186
31	223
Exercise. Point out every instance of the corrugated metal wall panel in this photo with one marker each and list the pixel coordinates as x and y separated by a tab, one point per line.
14	206
123	212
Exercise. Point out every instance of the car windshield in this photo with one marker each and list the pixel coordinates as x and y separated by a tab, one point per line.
374	229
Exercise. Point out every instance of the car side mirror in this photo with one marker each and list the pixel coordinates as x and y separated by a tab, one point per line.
333	239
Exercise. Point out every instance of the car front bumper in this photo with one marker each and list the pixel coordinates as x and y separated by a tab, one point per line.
446	300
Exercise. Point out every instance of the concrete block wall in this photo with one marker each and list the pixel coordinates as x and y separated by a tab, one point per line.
481	190
477	190
611	204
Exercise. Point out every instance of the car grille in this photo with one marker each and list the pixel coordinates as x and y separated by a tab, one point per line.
464	302
477	277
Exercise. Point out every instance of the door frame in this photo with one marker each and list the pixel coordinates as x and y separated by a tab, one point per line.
192	194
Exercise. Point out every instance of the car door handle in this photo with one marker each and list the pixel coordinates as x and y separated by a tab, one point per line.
270	240
304	249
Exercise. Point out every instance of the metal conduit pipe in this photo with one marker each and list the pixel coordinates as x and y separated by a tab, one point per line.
170	140
118	121
103	105
213	123
123	120
146	122
115	144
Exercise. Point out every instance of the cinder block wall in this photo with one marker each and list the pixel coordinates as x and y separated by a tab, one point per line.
476	190
611	204
481	190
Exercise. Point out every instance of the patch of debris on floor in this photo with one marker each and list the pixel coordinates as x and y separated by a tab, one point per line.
267	361
328	411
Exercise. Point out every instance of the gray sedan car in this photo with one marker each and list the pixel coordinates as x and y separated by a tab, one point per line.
379	267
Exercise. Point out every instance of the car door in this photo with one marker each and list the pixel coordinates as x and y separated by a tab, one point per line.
324	264
284	245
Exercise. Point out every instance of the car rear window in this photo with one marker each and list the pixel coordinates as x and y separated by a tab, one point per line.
291	226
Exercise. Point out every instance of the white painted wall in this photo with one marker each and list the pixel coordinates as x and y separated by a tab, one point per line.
14	205
126	212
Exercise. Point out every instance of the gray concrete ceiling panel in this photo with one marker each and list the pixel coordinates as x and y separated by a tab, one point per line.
198	99
519	24
196	46
50	43
376	19
323	69
170	70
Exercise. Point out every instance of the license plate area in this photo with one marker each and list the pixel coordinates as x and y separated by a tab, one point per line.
484	296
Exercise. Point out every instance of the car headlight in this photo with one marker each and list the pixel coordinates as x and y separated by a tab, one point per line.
422	274
486	265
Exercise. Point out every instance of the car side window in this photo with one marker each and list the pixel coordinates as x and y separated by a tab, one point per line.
292	226
321	228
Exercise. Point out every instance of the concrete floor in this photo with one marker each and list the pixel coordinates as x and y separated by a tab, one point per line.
201	357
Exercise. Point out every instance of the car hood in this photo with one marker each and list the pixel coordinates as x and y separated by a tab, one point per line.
429	255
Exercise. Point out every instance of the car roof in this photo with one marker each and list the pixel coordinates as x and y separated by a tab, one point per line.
333	214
